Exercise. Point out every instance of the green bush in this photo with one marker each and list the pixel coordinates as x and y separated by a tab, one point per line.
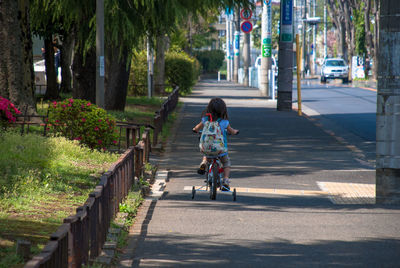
138	75
80	120
210	60
181	70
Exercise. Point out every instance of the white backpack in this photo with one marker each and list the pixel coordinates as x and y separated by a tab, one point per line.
212	141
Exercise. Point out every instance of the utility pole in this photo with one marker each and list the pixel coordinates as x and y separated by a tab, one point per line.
236	45
266	48
231	40
150	68
228	64
285	63
246	58
388	110
325	32
314	41
305	46
100	53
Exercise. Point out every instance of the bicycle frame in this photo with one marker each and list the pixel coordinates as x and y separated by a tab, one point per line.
214	166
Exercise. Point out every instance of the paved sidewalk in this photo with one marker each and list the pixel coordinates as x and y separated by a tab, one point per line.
302	198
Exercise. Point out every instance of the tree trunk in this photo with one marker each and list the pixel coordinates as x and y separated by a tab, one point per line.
349	26
116	78
16	61
368	33
337	15
342	47
84	75
67	50
162	44
52	91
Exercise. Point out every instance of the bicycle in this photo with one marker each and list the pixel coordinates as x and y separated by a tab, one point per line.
214	176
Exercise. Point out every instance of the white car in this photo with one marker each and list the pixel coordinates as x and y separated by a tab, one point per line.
334	68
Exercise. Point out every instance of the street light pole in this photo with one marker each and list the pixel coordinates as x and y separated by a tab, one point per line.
100	53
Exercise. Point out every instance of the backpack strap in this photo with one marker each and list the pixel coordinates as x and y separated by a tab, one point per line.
209	116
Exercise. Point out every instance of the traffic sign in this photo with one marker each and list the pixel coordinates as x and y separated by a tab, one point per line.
246	26
286	31
266	50
245	14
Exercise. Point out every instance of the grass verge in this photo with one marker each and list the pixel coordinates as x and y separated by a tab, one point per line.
46	178
43	181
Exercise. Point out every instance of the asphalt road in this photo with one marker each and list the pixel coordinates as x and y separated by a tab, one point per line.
349	112
281	157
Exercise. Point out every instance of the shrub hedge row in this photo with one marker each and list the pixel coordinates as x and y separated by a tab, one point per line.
210	60
180	70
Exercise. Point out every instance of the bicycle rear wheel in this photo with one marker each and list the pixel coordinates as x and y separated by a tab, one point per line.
214	180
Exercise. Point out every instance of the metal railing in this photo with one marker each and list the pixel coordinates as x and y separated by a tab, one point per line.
81	237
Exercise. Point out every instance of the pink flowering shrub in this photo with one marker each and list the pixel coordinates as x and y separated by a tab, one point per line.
7	112
83	121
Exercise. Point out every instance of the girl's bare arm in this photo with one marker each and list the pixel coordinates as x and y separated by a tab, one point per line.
198	127
231	130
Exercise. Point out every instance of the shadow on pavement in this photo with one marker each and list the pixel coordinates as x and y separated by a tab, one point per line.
202	251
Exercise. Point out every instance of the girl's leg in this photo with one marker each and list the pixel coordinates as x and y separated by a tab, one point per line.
202	168
227	172
226	162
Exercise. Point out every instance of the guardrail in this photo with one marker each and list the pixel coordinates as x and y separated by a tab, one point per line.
161	115
81	237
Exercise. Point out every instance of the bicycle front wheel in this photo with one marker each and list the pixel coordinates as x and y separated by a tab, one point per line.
214	180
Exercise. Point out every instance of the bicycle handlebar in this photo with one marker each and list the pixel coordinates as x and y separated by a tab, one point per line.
194	131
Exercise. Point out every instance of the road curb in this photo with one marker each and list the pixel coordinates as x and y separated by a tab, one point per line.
354	149
138	230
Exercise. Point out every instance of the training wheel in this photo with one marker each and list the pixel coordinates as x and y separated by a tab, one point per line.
234	194
193	192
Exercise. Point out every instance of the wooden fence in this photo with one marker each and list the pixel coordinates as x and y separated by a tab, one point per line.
162	115
80	238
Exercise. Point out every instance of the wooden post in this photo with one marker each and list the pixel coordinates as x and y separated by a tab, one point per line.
23	249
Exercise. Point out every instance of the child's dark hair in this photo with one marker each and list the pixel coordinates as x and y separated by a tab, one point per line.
217	108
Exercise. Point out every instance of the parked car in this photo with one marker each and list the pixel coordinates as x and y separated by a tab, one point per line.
40	76
274	66
334	68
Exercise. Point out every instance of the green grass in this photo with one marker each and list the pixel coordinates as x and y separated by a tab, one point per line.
139	110
43	181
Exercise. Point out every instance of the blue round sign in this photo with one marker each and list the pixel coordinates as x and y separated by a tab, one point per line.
246	26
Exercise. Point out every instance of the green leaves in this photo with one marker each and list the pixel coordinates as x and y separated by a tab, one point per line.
181	70
82	121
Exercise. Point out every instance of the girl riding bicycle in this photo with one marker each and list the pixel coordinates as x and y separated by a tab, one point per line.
216	110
